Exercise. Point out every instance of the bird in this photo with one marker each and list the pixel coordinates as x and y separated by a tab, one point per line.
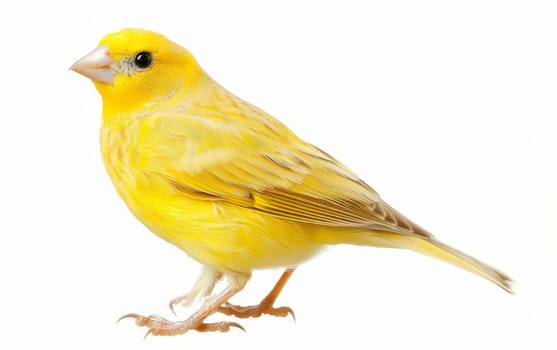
229	184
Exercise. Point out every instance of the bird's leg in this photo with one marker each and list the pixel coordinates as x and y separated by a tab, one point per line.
265	306
202	287
161	326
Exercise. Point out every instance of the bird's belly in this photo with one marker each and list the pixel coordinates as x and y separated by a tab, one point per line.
227	237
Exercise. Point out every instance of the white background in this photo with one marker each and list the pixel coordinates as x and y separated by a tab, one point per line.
447	110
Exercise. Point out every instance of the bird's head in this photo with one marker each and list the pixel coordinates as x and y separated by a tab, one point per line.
136	67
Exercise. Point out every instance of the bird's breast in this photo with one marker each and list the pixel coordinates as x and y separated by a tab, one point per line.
115	144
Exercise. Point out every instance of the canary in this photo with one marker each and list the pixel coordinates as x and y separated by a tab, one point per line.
227	183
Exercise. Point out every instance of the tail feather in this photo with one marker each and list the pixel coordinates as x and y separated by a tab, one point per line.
431	247
451	255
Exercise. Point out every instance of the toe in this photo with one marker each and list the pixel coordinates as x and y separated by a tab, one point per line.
218	327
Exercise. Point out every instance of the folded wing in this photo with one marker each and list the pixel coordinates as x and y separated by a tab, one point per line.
261	165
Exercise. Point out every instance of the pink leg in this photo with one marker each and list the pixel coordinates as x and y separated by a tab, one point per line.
265	306
161	326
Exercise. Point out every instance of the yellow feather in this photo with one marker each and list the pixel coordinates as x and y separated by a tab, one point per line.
228	183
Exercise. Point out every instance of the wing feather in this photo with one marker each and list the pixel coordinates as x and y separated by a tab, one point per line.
232	161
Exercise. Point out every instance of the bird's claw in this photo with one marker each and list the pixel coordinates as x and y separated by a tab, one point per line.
178	300
255	310
160	326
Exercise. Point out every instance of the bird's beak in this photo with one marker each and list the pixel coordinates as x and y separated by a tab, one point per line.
96	65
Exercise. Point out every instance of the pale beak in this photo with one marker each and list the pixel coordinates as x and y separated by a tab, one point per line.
96	65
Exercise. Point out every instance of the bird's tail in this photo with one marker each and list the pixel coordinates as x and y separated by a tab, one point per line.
430	246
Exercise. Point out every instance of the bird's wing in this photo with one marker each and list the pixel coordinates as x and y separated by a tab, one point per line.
261	166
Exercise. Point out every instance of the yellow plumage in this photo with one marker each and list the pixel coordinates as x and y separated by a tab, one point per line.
223	180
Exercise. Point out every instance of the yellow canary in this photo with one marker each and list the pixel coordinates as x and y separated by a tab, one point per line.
227	183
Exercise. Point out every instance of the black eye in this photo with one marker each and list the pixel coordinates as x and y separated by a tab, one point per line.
143	59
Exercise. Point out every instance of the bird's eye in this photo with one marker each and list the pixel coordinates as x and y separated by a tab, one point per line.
143	59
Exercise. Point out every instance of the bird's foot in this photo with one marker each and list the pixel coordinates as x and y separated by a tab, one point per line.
160	326
263	308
